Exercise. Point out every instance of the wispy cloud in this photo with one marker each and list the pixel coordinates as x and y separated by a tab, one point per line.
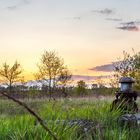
26	1
114	19
131	23
77	18
129	26
88	78
104	68
105	11
20	4
73	18
12	7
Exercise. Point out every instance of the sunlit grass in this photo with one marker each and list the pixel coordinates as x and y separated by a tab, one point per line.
17	124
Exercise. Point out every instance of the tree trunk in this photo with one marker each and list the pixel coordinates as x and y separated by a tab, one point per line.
50	89
10	87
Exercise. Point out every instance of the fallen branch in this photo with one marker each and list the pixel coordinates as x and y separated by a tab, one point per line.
32	113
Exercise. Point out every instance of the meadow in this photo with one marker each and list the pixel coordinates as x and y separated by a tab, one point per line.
17	124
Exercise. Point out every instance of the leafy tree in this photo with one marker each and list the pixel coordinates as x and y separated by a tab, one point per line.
113	82
51	69
81	87
64	79
136	72
12	74
124	67
100	82
94	86
129	66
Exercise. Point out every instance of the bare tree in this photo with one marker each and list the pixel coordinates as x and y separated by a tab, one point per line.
12	74
50	68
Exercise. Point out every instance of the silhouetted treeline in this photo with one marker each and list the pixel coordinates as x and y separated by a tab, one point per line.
59	92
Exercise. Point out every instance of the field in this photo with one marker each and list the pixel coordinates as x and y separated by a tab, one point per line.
59	116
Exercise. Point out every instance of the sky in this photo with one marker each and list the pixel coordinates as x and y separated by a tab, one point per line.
88	34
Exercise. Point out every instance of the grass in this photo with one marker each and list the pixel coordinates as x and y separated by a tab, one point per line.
17	124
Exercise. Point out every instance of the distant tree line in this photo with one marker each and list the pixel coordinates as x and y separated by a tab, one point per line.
52	70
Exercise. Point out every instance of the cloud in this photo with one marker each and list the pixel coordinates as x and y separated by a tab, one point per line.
131	23
104	68
20	4
73	18
130	26
77	18
12	7
114	19
26	1
88	78
105	11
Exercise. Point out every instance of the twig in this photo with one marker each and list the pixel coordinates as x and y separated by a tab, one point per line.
32	113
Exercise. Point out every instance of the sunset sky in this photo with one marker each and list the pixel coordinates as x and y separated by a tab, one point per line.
86	33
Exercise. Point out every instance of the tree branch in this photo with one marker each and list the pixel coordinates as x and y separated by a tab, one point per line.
32	113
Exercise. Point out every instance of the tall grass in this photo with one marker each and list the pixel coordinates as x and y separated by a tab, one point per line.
17	124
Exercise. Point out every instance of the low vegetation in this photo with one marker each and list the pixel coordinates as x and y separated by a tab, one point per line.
58	115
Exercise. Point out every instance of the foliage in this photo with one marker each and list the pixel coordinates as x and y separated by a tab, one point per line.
17	125
124	67
12	74
64	79
81	87
136	73
129	66
52	69
100	82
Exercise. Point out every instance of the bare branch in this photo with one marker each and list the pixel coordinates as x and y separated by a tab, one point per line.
32	113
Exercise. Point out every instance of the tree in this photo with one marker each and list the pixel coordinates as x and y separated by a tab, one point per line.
50	69
81	87
129	66
125	66
136	73
64	79
122	68
100	82
94	86
12	74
